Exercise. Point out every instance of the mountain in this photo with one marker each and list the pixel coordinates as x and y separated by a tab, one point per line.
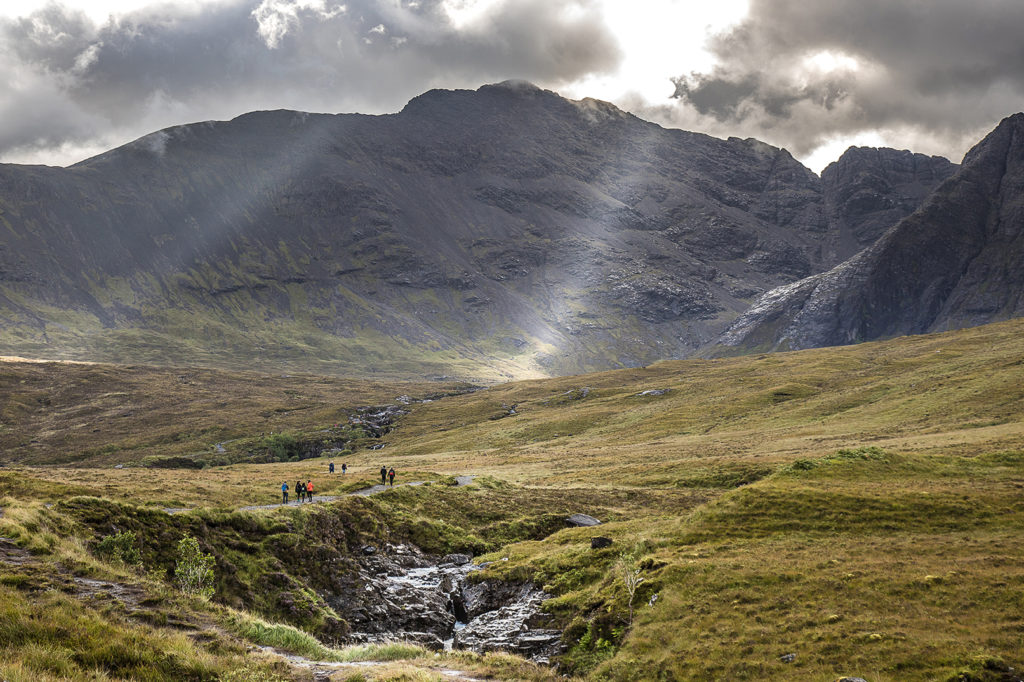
502	232
957	261
869	190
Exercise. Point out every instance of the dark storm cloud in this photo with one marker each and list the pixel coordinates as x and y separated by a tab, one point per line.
796	73
165	65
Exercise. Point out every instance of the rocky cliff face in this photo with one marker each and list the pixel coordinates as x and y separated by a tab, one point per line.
956	262
869	190
493	233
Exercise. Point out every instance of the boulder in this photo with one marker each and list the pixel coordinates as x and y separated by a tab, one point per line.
600	542
489	595
581	520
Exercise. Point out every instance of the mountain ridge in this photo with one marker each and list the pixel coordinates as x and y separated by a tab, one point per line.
493	233
954	262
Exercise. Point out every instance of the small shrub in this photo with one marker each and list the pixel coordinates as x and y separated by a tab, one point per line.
871	452
629	572
282	447
119	547
194	570
589	652
802	465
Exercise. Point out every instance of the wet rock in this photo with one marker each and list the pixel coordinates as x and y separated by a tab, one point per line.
600	542
580	520
402	594
425	639
513	627
456	559
489	595
368	550
377	420
851	679
654	391
787	658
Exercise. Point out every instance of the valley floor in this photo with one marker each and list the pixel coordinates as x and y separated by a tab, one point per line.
802	516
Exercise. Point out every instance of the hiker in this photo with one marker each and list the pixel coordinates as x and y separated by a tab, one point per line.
344	468
284	493
383	474
309	491
391	475
330	468
300	490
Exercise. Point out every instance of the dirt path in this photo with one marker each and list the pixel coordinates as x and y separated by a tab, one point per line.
372	490
129	596
323	670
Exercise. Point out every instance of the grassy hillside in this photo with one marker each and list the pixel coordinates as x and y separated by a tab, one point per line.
95	414
725	420
860	508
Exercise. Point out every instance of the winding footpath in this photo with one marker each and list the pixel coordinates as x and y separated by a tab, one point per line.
322	670
365	492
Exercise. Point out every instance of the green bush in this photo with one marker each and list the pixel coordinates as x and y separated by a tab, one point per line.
120	546
282	447
194	570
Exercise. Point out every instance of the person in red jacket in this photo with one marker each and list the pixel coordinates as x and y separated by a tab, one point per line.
309	491
391	476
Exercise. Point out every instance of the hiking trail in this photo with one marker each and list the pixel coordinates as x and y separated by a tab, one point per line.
364	492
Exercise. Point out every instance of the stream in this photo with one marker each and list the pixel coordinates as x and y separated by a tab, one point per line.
407	595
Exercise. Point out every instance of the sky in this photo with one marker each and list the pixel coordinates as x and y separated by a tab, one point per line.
78	77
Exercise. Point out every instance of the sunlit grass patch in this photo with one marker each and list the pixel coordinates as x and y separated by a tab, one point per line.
280	636
53	635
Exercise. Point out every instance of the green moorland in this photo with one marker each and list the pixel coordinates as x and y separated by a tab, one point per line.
100	415
858	508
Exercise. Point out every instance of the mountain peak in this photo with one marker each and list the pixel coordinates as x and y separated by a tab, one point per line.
514	85
999	143
440	100
954	262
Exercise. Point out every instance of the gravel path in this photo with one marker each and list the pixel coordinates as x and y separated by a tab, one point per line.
372	490
323	670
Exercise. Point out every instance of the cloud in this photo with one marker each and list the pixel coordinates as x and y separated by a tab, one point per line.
276	18
932	75
72	84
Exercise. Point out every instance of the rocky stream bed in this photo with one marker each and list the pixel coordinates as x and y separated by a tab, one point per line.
404	594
